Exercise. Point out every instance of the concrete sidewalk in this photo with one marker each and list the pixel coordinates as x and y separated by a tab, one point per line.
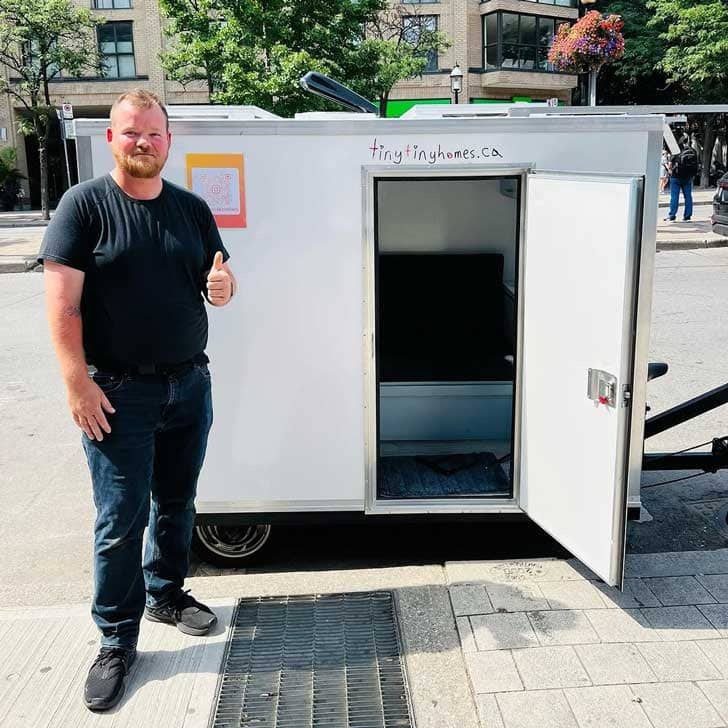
494	644
19	249
23	218
700	197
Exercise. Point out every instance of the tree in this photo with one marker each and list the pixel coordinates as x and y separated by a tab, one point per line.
255	51
195	29
587	45
40	40
638	77
399	44
696	58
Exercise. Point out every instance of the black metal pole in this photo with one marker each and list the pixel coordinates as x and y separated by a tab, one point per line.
681	461
583	8
686	411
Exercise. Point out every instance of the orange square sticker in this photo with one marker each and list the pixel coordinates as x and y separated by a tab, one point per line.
220	180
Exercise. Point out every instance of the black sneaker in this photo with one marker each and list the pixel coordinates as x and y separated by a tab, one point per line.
669	219
105	682
685	219
186	613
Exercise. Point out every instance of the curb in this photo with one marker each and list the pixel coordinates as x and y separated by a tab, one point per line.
19	264
696	203
665	245
27	224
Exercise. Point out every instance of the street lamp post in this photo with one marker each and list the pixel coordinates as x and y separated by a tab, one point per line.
584	7
456	81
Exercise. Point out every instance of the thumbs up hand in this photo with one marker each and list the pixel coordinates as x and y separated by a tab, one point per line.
219	282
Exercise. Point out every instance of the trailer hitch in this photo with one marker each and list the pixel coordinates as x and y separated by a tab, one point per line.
709	462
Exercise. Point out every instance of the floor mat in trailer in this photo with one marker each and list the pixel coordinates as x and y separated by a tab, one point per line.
437	476
330	660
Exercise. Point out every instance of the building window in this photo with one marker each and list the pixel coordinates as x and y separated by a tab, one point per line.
413	27
31	57
514	41
110	4
116	44
560	3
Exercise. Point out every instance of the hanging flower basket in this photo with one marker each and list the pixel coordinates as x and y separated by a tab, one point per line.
588	44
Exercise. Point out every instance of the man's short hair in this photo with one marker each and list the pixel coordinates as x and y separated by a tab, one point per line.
142	99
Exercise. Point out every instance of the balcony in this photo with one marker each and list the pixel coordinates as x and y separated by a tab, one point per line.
558	3
521	79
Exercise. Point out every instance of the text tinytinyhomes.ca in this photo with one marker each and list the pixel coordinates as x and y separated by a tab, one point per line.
430	154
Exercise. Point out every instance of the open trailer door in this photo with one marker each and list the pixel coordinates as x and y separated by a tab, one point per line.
582	240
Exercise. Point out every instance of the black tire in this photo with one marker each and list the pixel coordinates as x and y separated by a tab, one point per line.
231	547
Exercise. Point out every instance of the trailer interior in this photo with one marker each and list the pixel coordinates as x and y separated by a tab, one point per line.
446	331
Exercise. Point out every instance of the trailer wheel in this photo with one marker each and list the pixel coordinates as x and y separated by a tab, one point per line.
230	547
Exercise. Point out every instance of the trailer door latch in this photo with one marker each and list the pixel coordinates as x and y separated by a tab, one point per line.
602	387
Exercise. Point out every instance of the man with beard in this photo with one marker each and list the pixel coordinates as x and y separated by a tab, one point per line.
128	258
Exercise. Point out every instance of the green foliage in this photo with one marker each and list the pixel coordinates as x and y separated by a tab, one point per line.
696	56
637	78
676	51
255	51
395	48
10	177
9	173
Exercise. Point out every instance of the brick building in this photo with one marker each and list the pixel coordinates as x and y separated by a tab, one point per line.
501	47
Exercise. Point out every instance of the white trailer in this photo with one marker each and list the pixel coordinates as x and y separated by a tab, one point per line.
435	317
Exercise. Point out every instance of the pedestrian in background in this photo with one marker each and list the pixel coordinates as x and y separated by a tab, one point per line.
664	171
129	259
683	168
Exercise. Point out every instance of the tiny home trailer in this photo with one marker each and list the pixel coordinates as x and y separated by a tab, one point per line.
436	317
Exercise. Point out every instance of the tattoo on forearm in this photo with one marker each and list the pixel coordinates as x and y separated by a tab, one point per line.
72	311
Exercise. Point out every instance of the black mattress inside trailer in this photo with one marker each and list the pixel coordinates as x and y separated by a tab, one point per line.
440	317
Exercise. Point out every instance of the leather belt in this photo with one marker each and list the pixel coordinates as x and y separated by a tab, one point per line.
150	369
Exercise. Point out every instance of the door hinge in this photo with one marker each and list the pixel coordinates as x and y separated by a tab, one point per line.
626	395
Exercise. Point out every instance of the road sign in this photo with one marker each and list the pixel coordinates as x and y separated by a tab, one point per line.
68	111
552	102
68	131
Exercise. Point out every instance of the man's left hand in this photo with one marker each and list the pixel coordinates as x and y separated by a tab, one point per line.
219	283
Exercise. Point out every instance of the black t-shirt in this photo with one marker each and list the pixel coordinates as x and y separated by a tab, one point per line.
146	265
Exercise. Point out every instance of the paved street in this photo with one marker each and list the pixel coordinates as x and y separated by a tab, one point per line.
688	332
489	644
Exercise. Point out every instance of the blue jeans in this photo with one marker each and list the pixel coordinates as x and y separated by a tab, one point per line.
686	185
154	452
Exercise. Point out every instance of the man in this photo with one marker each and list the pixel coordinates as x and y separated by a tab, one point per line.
128	257
683	169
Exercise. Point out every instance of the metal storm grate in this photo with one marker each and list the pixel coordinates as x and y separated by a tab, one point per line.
329	660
